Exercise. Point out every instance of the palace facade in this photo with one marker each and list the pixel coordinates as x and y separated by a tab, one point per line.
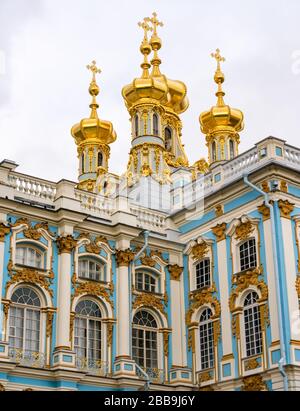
169	277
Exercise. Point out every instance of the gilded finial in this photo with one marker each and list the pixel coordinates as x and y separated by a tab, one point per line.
154	22
219	77
94	88
145	48
155	42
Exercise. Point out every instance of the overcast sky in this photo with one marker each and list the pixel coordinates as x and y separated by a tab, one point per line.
45	46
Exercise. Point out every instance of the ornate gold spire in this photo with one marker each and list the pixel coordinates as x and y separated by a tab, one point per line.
155	42
154	103
219	77
145	48
221	123
94	88
92	137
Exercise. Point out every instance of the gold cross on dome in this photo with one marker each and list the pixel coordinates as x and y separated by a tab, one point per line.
155	22
145	26
218	57
94	69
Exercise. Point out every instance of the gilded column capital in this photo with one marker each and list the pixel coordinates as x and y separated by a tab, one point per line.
264	211
219	231
175	271
4	230
66	244
285	208
124	257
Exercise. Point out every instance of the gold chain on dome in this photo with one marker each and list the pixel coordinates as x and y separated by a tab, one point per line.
145	48
155	42
219	77
94	88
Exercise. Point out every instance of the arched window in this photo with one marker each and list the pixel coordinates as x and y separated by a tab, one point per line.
87	336
206	340
248	257
91	269
253	334
25	322
145	281
100	159
82	163
30	256
136	125
203	273
155	124
214	151
144	340
231	149
168	138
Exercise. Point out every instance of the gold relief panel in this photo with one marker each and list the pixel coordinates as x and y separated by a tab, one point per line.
219	231
235	324
252	364
166	332
49	321
124	257
244	231
244	280
72	319
28	275
6	305
148	300
148	261
4	230
66	244
285	208
265	186
92	288
283	186
199	251
219	210
254	383
298	285
158	254
205	376
201	298
175	271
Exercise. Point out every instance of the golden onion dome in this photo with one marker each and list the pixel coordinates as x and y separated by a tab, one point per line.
93	129
221	118
155	86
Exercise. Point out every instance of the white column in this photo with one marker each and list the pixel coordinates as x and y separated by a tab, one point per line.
3	231
65	245
290	272
177	316
271	280
124	258
224	296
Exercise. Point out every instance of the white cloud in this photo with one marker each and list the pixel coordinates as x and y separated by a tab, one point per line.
47	44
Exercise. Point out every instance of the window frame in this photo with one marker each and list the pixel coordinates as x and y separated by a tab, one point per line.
38	250
145	273
144	329
87	336
136	125
239	245
92	259
25	309
155	124
195	273
252	350
170	138
209	333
